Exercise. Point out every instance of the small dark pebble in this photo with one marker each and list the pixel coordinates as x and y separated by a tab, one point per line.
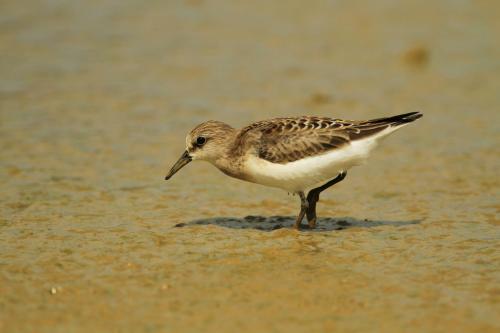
343	223
278	218
179	225
253	218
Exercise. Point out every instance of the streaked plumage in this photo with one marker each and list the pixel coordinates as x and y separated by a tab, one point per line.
294	154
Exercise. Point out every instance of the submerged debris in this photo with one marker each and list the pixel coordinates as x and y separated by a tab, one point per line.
343	223
253	218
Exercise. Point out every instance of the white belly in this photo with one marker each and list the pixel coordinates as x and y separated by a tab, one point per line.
309	172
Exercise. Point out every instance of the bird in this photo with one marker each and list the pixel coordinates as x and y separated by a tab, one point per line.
300	155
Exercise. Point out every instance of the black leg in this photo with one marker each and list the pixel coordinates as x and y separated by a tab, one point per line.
313	197
304	204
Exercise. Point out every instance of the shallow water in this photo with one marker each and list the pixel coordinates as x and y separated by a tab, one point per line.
95	101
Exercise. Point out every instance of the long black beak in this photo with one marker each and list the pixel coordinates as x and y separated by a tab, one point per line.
183	160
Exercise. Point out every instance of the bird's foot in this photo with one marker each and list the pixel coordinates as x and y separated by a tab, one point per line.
312	223
312	199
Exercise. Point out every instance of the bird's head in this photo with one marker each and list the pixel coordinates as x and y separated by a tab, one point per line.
206	142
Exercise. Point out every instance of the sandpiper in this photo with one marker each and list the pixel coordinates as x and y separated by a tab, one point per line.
296	154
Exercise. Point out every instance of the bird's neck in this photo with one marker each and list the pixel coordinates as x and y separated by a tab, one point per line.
229	161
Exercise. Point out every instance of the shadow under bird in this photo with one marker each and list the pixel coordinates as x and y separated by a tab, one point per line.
299	154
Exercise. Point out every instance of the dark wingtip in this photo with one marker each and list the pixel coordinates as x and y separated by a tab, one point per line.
396	120
409	117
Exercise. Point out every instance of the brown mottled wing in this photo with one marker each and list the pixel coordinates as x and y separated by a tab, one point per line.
290	147
286	140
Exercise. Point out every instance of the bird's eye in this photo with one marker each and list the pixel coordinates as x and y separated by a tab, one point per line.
200	141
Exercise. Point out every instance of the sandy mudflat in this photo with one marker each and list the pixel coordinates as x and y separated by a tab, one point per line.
95	101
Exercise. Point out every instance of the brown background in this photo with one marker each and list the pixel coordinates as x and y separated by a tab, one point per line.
96	98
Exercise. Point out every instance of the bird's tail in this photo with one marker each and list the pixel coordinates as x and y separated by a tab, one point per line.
395	120
381	127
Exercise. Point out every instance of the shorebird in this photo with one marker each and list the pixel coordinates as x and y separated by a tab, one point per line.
297	154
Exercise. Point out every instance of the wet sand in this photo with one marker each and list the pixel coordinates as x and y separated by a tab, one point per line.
95	101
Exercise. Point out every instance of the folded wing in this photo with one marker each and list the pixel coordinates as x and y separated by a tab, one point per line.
284	140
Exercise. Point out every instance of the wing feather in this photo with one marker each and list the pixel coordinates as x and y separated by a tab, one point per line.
284	140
